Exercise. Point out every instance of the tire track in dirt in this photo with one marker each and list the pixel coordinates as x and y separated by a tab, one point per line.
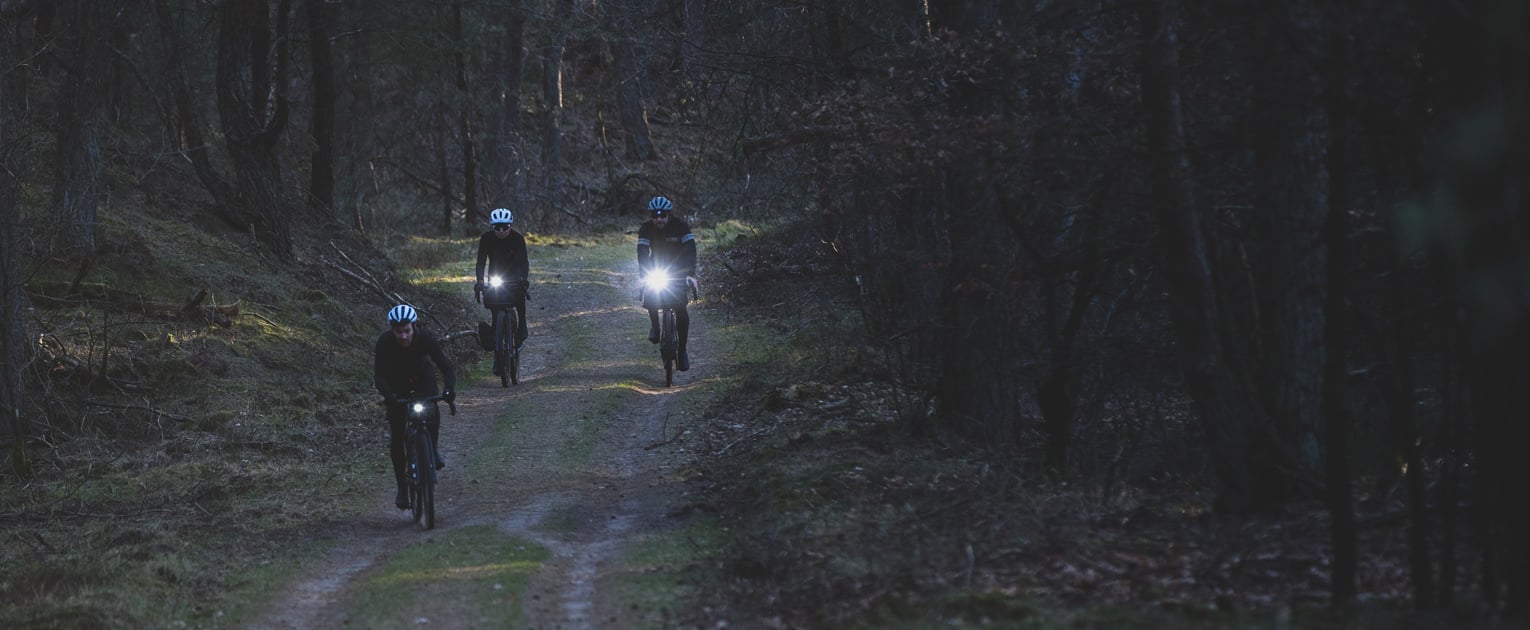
586	514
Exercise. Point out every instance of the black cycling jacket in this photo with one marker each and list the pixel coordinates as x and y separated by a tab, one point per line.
672	247
504	256
400	371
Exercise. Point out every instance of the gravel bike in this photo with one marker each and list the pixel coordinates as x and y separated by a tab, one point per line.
668	292
420	455
499	297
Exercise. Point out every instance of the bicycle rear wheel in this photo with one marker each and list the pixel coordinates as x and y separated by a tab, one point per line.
426	506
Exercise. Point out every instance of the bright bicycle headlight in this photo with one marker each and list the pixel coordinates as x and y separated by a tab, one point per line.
496	281
419	407
657	280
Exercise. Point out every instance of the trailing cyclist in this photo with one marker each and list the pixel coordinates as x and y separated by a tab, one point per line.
502	254
402	369
666	243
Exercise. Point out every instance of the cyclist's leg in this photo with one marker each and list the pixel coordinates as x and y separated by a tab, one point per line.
682	324
682	330
396	453
653	325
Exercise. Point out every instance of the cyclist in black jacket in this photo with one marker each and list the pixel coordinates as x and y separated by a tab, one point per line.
502	252
665	242
402	369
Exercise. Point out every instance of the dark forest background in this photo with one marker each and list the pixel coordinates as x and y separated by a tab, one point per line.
1278	246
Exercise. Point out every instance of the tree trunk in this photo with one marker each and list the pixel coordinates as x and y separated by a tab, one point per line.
692	42
1335	400
629	81
84	26
509	165
552	95
254	114
187	132
466	104
321	187
977	387
448	203
12	332
1291	191
1214	379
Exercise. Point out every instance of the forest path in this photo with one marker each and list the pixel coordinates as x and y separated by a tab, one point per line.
549	481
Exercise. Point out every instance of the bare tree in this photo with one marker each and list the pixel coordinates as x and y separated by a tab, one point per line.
976	387
624	24
1336	421
1291	191
81	41
466	112
1224	401
552	94
321	26
186	133
252	104
507	170
12	335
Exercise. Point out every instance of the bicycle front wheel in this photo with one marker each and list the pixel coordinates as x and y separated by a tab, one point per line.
502	352
668	342
426	505
514	365
416	480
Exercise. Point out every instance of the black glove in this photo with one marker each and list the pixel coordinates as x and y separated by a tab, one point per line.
478	286
449	396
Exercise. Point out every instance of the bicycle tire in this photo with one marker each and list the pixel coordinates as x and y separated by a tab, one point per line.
427	484
514	366
667	346
416	480
502	345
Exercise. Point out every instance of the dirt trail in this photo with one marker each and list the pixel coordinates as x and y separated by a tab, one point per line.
592	386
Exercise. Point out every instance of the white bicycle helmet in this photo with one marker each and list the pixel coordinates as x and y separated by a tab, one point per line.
402	314
501	215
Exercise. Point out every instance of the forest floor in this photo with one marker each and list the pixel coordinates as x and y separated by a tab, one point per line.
555	483
783	482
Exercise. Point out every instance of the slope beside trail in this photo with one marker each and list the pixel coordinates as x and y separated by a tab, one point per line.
576	461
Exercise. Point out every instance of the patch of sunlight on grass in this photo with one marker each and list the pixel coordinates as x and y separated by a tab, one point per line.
726	233
575	389
495	568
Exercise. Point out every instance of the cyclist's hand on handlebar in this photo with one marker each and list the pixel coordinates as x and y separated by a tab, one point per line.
692	282
478	287
449	396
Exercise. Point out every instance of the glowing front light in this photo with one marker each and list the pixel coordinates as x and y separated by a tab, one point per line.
496	281
419	407
657	280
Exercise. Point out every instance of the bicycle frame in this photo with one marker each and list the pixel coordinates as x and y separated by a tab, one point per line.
499	299
665	287
419	454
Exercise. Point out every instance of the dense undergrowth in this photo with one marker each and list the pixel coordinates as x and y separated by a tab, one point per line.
198	412
834	510
186	458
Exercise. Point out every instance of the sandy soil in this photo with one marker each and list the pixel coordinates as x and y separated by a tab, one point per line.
586	336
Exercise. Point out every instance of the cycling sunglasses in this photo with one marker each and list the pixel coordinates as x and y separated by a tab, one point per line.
501	228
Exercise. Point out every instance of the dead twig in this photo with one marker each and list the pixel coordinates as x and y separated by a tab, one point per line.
156	412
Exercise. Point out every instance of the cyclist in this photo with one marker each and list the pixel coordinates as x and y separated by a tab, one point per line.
502	252
666	243
402	369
